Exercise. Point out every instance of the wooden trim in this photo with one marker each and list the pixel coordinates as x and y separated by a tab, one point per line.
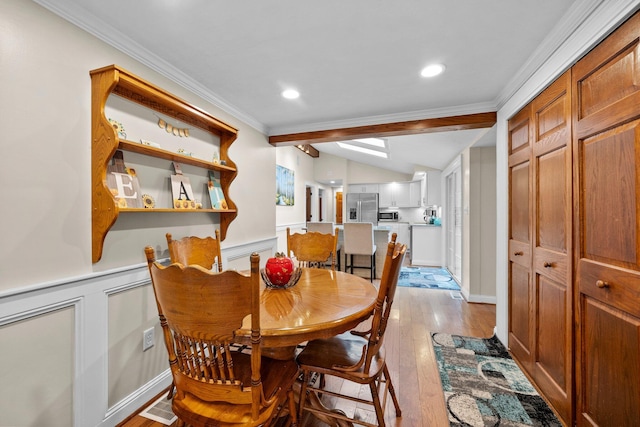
441	124
308	150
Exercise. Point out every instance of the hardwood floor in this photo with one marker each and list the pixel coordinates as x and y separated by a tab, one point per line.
416	313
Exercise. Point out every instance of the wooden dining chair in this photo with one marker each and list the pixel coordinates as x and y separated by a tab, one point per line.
355	356
196	250
313	249
326	227
193	250
215	384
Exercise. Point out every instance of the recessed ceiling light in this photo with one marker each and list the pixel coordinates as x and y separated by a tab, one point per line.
291	94
432	70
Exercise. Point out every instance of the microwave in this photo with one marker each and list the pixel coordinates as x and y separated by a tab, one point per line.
388	216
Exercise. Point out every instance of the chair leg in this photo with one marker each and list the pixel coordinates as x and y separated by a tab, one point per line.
293	411
172	387
392	391
371	269
376	403
303	394
351	259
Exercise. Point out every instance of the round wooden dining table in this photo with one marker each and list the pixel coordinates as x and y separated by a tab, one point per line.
323	303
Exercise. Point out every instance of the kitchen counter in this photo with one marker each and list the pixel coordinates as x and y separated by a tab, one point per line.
375	227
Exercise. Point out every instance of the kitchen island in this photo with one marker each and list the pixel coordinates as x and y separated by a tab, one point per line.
381	237
426	245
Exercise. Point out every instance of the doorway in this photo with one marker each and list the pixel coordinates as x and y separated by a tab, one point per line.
453	222
338	207
309	213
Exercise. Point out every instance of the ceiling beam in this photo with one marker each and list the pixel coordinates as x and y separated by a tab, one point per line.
442	124
308	149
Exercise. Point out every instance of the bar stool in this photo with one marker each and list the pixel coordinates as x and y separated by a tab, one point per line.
325	228
358	240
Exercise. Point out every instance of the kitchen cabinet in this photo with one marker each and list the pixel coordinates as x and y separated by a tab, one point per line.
426	245
363	188
404	234
432	189
400	194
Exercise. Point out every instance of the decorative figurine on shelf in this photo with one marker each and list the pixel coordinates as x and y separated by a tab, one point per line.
280	272
118	128
185	153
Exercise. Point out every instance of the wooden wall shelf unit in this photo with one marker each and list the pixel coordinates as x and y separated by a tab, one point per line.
105	141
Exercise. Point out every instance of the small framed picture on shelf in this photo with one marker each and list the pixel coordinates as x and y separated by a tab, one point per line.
183	197
123	183
215	193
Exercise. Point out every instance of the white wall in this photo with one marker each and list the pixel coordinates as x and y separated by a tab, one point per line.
328	167
45	108
359	173
479	241
70	330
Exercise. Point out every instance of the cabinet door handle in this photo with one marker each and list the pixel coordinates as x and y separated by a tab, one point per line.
602	284
519	253
548	264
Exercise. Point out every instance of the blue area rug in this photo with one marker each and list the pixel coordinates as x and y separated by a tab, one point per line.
427	277
483	386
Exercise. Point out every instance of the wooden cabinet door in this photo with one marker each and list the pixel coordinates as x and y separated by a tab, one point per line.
607	225
520	284
552	358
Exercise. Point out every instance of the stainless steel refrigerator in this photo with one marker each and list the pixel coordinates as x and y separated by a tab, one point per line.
362	207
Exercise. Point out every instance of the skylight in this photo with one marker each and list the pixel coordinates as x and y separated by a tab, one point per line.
376	142
364	150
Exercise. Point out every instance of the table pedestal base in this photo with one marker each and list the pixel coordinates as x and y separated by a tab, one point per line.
279	353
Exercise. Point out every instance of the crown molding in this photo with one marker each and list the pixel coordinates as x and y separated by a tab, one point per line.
98	28
563	30
596	22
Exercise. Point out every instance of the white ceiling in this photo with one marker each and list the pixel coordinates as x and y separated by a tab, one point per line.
355	62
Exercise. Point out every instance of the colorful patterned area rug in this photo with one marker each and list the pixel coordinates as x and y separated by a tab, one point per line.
483	386
428	278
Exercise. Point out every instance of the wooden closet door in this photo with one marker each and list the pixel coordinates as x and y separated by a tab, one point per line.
607	179
552	256
520	285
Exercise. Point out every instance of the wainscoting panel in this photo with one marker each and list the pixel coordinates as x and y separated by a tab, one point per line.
75	346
